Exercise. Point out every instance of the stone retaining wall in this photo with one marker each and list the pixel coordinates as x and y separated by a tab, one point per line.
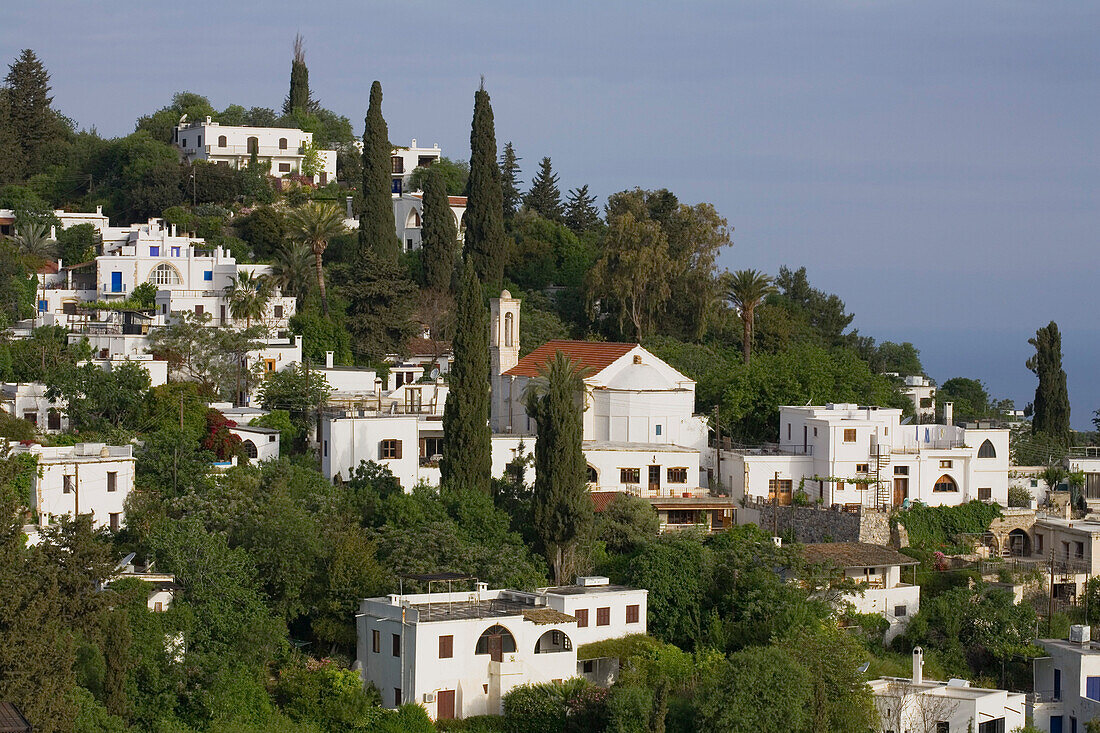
816	524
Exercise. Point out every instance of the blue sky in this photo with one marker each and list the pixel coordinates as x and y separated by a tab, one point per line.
933	163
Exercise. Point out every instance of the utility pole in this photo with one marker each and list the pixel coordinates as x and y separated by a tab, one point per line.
717	449
775	505
1050	604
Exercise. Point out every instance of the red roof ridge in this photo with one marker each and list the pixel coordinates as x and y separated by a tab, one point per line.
596	355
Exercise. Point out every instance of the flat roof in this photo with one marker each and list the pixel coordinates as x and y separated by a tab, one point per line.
583	590
1084	525
638	447
464	610
854	554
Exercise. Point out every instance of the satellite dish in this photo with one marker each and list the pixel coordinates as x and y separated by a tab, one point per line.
125	561
864	667
435	373
183	119
906	421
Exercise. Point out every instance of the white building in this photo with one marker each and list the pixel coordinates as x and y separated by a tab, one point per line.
877	570
920	390
639	431
234	145
260	444
1066	683
846	454
408	217
458	653
162	586
86	478
918	705
28	400
406	160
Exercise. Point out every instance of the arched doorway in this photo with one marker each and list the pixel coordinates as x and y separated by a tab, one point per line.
1019	543
552	642
496	641
250	450
592	475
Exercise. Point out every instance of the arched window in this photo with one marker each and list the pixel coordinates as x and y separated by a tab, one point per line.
282	143
508	319
495	641
222	142
987	450
165	274
593	477
412	221
945	483
250	449
253	145
553	641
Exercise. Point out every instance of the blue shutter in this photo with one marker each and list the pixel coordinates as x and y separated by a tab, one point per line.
116	282
1092	688
208	275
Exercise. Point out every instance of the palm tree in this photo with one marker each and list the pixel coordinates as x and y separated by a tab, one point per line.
247	296
314	224
747	289
33	240
290	269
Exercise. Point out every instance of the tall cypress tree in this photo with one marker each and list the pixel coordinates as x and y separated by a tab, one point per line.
580	211
485	199
544	198
376	224
33	123
299	99
1051	407
467	462
509	181
439	235
560	502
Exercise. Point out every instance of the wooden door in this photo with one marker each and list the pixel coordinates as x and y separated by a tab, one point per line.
445	704
655	478
901	490
496	648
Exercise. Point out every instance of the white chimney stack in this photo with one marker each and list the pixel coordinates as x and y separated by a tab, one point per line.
918	665
948	413
328	360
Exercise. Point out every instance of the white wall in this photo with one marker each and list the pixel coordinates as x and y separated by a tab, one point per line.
89	480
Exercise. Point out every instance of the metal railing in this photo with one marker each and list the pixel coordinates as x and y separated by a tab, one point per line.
1085	451
770	449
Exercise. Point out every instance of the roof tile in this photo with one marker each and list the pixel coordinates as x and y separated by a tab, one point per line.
596	355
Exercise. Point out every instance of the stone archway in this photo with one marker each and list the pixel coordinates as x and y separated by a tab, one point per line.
1019	543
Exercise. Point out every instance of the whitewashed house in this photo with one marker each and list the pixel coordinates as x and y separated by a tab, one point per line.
844	454
917	704
920	390
405	160
234	145
28	400
86	478
639	431
457	653
877	571
408	216
1066	683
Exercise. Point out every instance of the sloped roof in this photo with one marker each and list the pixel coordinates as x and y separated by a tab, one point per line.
11	720
596	355
540	616
854	554
602	499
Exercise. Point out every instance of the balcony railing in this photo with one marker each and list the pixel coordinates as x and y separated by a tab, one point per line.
245	150
1085	451
770	449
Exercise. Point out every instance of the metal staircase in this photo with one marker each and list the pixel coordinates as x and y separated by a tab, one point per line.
880	462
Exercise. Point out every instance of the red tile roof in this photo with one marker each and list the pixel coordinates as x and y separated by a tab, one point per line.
601	499
596	355
456	200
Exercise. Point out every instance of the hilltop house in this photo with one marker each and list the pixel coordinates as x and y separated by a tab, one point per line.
86	478
1066	683
876	570
284	148
850	455
458	653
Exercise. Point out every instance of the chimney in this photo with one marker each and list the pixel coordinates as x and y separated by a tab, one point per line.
328	360
918	665
948	413
413	143
99	210
347	207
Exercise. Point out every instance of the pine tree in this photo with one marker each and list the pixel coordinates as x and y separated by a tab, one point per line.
439	235
509	181
1051	407
466	435
32	121
560	503
580	211
11	155
376	226
381	300
299	99
544	198
485	201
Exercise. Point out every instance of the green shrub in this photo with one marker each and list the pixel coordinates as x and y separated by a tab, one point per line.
476	724
947	527
530	708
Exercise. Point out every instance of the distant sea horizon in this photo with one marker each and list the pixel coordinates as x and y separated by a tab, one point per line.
997	357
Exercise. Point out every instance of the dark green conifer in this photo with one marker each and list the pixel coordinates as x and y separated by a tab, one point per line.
560	503
1051	407
466	435
509	181
34	125
299	99
438	235
376	226
485	201
581	213
381	299
544	198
